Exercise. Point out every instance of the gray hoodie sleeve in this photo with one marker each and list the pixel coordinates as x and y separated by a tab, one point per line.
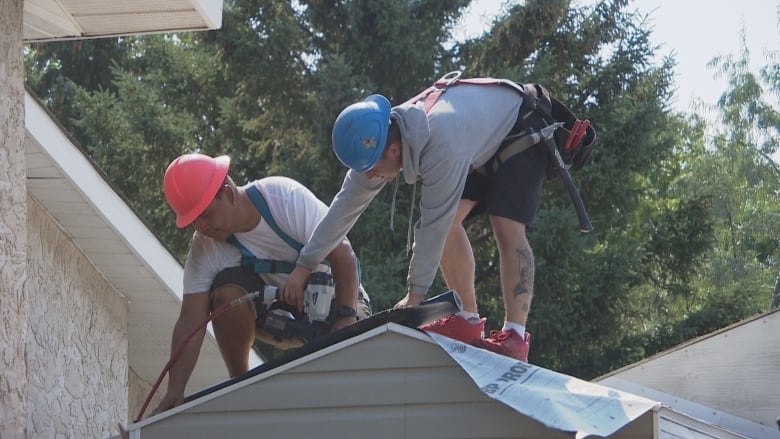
355	195
464	128
440	195
443	172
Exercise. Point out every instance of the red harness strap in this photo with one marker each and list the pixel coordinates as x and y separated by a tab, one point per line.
575	140
432	93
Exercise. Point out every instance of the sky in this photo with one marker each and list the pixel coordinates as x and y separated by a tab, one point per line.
695	31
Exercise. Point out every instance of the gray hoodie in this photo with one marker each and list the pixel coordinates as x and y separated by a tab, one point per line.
462	131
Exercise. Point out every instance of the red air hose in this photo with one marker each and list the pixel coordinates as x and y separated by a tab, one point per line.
243	299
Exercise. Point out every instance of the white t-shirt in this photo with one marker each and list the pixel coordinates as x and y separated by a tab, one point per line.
296	211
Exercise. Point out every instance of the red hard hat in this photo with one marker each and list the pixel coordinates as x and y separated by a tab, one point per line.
191	183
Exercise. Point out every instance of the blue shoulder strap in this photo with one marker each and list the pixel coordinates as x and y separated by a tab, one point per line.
251	261
262	206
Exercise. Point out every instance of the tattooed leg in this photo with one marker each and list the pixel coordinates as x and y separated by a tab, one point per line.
517	268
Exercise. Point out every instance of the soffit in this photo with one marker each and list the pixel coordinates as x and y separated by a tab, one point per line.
46	20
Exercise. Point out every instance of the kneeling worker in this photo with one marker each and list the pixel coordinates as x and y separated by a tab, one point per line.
246	237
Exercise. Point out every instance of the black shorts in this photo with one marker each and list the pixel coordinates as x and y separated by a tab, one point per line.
250	282
514	191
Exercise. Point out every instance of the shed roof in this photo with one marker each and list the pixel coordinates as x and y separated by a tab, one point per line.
730	372
709	415
385	380
379	378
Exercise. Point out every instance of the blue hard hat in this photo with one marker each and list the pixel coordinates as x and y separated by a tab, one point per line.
360	133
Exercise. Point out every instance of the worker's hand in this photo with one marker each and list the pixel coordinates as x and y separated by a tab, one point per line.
342	322
291	292
411	299
169	401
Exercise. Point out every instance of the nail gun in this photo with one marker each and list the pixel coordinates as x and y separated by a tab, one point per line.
282	322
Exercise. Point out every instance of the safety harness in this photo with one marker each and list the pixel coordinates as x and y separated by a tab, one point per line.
252	262
575	139
249	260
275	318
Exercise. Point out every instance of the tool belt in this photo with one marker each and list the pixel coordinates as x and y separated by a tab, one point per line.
575	139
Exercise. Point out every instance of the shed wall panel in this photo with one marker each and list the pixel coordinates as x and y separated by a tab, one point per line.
452	421
356	388
395	351
324	397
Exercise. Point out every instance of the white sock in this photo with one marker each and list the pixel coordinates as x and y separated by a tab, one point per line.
520	329
471	317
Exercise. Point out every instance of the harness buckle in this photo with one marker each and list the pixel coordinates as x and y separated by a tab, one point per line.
447	80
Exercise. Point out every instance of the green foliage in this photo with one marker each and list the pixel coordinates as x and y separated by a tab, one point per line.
686	234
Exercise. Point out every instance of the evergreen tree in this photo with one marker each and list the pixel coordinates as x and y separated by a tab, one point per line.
679	246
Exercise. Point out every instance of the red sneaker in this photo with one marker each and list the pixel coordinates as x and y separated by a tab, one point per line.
508	343
455	326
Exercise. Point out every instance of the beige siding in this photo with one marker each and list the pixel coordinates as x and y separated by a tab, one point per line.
389	385
77	348
13	302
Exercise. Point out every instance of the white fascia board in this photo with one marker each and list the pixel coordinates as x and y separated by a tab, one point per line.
211	11
673	424
694	410
72	162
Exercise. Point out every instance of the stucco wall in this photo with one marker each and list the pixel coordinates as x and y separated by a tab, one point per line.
137	392
77	342
13	306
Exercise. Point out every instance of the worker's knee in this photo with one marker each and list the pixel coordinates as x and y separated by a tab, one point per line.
508	233
225	294
465	206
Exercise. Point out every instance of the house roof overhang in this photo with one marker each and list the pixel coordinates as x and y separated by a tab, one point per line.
47	20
